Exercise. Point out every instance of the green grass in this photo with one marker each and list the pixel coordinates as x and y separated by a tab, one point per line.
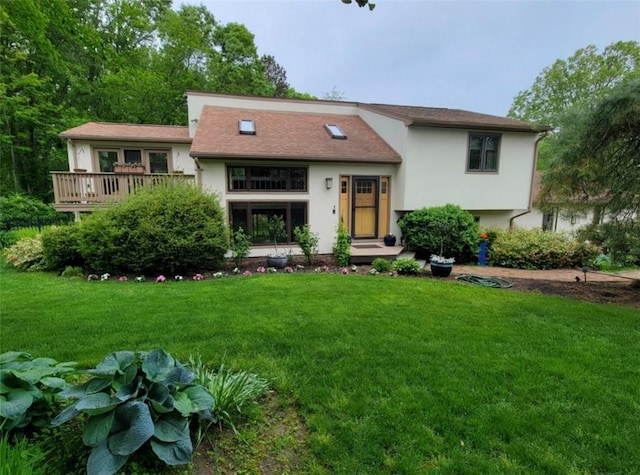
401	375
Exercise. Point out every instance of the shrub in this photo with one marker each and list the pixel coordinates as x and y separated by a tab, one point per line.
18	211
342	246
445	230
240	246
231	392
620	240
26	255
29	390
308	242
537	249
61	247
382	265
169	229
407	266
7	239
70	272
135	400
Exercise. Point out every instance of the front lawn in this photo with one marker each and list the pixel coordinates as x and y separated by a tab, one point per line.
391	375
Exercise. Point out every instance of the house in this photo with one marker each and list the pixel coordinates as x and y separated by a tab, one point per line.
558	219
314	162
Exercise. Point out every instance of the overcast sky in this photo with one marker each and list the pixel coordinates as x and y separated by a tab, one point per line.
472	55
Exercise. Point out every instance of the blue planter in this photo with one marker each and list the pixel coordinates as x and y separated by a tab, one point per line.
441	270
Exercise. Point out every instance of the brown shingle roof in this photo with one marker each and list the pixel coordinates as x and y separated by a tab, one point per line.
128	132
288	135
440	117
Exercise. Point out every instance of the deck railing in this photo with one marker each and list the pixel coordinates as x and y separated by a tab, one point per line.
85	191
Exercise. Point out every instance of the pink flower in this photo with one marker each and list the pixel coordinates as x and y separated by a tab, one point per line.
261	270
198	277
247	273
344	271
161	278
288	270
325	268
122	278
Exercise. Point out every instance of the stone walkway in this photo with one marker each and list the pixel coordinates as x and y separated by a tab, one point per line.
560	275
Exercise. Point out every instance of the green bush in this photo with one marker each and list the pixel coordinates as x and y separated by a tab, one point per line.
619	240
26	255
382	265
537	249
18	211
61	247
406	266
308	242
137	399
7	239
240	246
70	272
342	246
231	391
29	390
444	230
170	229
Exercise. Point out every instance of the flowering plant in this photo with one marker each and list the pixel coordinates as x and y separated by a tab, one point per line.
484	236
344	271
218	275
122	278
178	278
289	270
140	278
198	277
104	277
261	270
161	278
247	273
436	259
272	270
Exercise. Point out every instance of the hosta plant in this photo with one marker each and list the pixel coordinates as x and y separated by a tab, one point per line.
29	390
133	399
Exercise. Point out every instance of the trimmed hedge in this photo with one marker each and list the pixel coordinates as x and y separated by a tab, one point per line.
537	249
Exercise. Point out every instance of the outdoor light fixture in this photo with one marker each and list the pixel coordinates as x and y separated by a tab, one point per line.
328	182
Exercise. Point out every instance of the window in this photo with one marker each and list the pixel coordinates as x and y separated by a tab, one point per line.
154	161
267	178
335	131
483	153
247	127
253	218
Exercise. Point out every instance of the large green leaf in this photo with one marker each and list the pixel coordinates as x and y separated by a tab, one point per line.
97	403
157	364
66	415
15	403
103	462
53	382
11	356
130	390
138	428
9	382
97	429
171	427
179	375
193	399
115	363
90	387
173	453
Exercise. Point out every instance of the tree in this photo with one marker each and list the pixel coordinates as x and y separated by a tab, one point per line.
596	156
334	95
276	75
362	3
584	77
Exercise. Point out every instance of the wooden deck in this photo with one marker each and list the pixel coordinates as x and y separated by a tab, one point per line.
364	252
86	191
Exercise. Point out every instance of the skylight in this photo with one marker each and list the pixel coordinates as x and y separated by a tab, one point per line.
247	127
335	131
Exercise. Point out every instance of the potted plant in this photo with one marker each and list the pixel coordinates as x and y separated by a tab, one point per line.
389	239
126	167
441	266
277	231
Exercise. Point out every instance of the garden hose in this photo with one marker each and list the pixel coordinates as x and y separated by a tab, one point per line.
485	281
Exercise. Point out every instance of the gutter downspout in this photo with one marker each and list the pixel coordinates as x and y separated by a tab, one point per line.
533	172
199	171
74	152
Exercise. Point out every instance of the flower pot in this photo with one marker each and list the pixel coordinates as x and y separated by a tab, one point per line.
279	262
389	240
441	270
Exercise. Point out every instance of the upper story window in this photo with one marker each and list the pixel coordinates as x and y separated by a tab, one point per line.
154	161
267	179
335	131
483	153
247	127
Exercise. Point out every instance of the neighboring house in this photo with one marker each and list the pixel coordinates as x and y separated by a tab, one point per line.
314	162
557	219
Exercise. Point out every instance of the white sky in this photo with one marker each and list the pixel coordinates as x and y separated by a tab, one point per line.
472	55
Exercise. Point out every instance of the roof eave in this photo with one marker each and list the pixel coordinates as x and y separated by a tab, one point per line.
123	139
534	129
239	156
